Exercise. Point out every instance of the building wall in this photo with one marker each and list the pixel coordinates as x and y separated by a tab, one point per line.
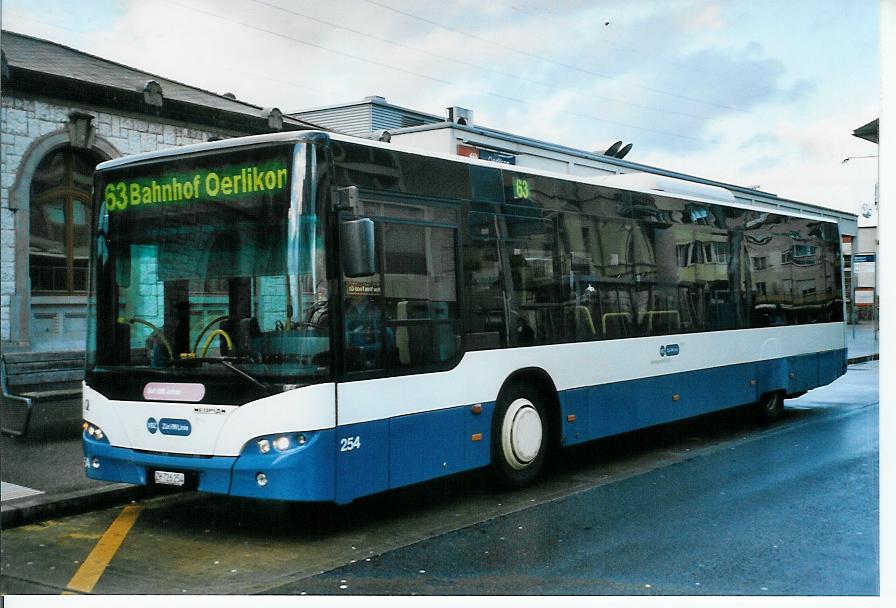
353	120
29	130
361	118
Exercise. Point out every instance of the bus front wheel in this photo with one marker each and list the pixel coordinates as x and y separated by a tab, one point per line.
519	436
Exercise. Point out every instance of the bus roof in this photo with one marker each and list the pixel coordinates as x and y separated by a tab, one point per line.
644	182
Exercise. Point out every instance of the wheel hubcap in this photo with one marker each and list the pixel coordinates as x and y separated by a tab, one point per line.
521	434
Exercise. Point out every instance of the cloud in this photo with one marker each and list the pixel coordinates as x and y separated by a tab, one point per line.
717	89
501	61
761	164
742	80
709	17
759	139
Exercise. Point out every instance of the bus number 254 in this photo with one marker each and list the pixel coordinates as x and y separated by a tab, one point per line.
347	444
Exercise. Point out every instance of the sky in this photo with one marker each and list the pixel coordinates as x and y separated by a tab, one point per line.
757	93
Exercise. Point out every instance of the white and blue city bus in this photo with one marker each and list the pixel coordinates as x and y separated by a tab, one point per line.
313	317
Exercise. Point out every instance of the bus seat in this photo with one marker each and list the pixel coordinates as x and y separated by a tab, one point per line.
411	339
583	324
663	321
426	342
402	339
246	330
616	325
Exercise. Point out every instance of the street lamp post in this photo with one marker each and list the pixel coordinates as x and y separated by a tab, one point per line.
875	310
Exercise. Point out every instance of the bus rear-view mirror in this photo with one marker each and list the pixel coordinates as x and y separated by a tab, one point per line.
357	243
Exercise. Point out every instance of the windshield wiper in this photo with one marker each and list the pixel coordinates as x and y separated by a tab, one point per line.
227	362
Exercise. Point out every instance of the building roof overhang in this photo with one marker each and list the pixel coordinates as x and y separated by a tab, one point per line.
42	69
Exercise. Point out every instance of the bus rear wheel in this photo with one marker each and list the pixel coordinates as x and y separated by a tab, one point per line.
519	436
770	407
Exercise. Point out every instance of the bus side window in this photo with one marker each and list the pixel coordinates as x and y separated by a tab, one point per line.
420	288
368	341
486	324
412	321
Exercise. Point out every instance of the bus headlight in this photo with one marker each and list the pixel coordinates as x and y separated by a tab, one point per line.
283	442
94	432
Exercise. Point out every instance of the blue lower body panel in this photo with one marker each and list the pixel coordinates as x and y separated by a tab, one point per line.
306	472
610	409
410	449
362	470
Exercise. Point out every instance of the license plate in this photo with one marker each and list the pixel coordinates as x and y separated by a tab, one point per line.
169	478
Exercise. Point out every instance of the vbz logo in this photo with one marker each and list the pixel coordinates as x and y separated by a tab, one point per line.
151	425
669	350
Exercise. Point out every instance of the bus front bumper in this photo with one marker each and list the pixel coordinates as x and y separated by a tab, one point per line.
301	473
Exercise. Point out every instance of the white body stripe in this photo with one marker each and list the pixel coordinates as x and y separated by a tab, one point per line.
213	434
479	375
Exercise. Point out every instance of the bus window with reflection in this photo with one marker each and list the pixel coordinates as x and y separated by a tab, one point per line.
202	278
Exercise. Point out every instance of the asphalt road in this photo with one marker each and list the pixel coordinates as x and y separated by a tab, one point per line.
718	506
788	510
787	513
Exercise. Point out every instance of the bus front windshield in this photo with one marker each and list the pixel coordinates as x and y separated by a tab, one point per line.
211	265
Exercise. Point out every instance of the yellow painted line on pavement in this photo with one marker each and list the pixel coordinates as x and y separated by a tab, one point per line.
87	576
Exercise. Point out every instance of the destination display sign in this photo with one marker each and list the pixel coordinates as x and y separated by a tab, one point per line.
485	154
209	184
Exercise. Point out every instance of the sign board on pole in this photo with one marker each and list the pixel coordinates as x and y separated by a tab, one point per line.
863	263
864	297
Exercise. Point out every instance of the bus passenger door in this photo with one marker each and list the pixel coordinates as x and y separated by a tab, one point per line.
400	320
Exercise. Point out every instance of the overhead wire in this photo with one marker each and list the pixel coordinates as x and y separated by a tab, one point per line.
389	66
548	59
516	77
418	74
616	45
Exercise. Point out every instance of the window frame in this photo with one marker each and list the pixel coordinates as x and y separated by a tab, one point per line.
380	219
68	192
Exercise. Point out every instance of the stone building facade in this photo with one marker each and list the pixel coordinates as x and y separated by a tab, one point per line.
61	113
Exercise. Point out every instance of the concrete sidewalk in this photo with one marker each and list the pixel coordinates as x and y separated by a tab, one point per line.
862	341
43	477
43	473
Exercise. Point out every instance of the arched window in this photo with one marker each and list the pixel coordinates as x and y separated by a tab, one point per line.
61	213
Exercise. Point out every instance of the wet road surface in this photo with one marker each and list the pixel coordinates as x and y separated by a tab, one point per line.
792	510
718	505
792	513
